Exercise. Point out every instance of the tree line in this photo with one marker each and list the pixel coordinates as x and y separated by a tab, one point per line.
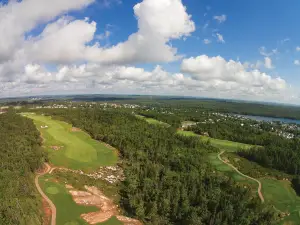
20	156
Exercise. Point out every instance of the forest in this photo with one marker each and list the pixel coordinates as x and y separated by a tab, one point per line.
280	154
167	178
238	131
20	156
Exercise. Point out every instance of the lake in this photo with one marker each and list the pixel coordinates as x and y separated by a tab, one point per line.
269	119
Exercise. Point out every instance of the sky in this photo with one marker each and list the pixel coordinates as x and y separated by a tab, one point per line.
248	50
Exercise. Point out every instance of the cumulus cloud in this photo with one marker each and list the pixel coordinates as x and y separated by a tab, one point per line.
217	69
298	49
297	62
17	18
221	18
157	26
80	63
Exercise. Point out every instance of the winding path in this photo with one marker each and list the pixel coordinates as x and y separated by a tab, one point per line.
251	178
52	206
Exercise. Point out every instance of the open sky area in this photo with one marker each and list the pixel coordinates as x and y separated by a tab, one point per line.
235	49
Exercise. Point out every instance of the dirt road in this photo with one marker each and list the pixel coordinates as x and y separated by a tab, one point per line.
251	178
52	206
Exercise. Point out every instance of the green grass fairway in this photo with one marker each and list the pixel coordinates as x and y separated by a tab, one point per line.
229	146
77	149
283	197
68	212
152	121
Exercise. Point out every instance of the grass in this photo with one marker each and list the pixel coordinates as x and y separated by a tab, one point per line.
78	150
229	146
281	195
68	212
152	121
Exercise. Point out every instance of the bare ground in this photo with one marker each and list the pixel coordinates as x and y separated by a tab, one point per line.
47	212
94	197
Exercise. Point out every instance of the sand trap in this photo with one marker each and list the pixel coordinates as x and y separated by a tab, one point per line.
75	129
56	148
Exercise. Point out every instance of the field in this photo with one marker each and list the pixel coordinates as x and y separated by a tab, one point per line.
229	146
153	121
72	148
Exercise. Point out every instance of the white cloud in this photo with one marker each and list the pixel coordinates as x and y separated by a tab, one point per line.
81	63
17	18
298	49
221	18
206	41
220	38
263	51
157	26
297	62
204	68
268	63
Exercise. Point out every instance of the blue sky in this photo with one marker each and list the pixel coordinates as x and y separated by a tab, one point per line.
208	48
249	26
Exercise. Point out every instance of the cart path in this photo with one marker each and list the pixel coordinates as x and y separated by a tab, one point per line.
251	178
52	206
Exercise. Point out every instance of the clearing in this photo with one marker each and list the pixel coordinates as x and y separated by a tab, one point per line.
152	121
229	146
69	149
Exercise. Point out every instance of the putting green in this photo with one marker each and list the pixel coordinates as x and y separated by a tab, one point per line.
72	149
52	190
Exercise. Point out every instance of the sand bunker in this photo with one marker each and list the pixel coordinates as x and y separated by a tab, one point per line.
94	197
75	129
56	148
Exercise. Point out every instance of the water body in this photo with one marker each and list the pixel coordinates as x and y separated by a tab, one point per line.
271	119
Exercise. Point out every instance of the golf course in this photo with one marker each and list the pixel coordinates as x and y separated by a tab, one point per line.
278	193
70	147
74	150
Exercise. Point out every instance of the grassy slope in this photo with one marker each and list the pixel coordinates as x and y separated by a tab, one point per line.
79	150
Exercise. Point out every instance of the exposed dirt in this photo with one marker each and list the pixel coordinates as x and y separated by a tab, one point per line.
128	221
69	186
94	197
75	129
45	197
56	148
47	212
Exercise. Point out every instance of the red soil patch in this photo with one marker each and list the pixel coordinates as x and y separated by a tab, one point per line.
46	213
94	197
